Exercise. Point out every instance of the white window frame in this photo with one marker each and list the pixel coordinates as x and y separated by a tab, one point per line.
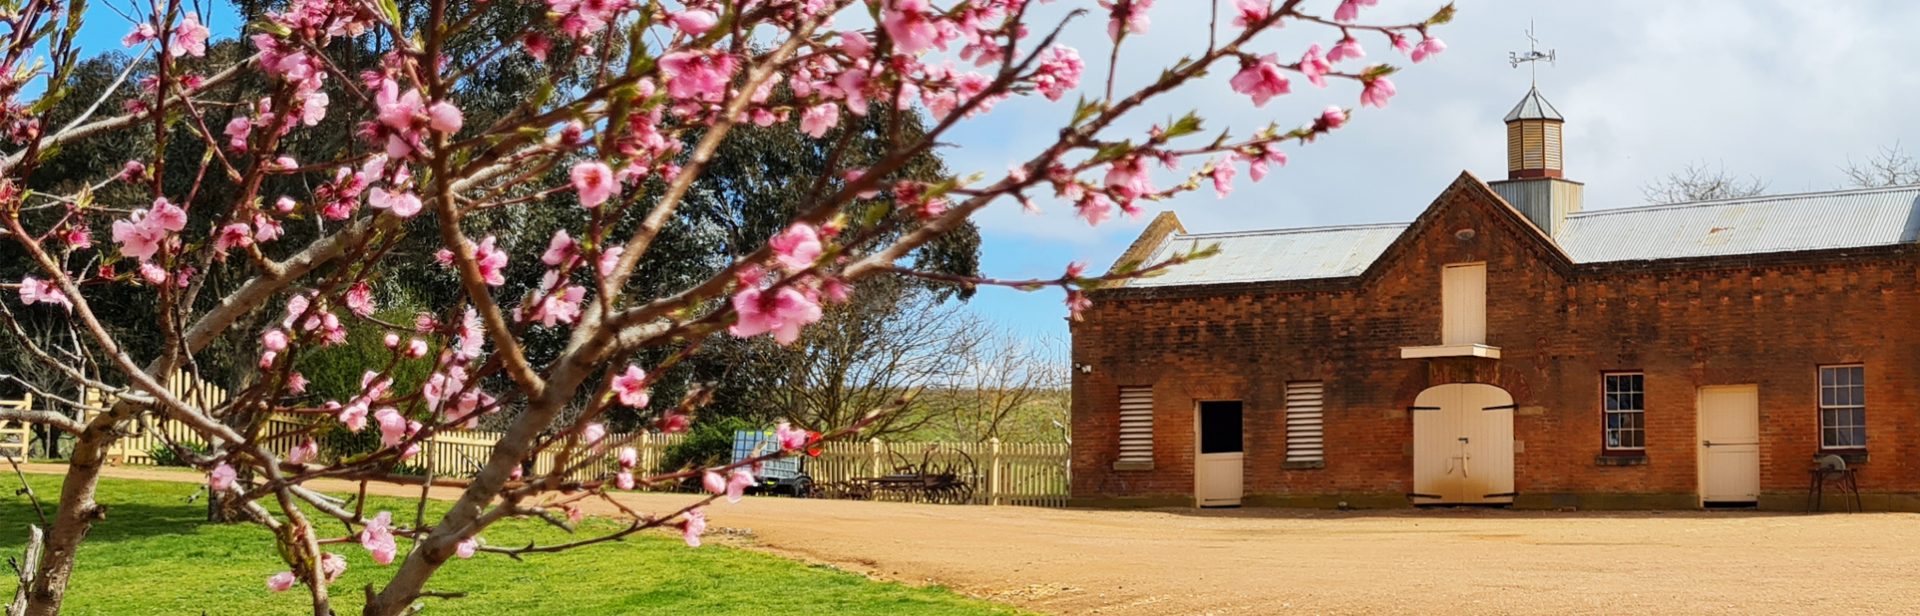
1843	395
1634	406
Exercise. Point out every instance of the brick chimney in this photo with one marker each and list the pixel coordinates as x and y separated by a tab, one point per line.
1535	182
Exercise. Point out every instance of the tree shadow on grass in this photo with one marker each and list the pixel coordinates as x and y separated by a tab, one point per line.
133	511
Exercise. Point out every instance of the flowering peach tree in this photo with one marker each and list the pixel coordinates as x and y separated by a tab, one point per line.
640	96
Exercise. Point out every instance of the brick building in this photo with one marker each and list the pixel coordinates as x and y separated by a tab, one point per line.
1508	347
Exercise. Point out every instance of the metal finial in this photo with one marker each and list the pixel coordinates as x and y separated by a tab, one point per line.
1532	57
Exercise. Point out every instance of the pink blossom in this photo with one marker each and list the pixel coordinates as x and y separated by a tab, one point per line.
782	312
1347	49
1126	16
1333	117
34	290
1222	174
1094	208
306	451
713	482
1429	46
391	340
153	273
697	75
556	307
1128	178
1350	9
281	581
609	259
1400	43
313	107
492	262
466	547
855	44
377	538
235	235
393	427
912	24
221	479
360	299
594	182
623	480
1378	90
593	434
1249	12
284	205
237	131
629	457
77	236
537	46
297	383
1314	66
675	423
354	416
189	38
167	215
332	566
274	340
1077	303
140	34
1261	80
797	248
631	387
695	22
692	526
790	437
404	204
1059	73
1257	161
444	117
560	249
737	483
416	349
819	119
133	171
266	229
574	514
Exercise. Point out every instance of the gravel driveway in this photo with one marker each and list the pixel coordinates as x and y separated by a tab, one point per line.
1254	561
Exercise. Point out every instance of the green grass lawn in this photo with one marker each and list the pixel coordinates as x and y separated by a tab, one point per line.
155	554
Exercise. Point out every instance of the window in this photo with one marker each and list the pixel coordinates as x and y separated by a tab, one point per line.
1136	425
1843	407
1623	398
1463	304
1305	432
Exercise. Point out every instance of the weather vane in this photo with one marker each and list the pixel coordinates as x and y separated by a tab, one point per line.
1533	57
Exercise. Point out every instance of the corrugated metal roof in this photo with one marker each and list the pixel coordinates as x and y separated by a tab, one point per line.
1755	225
1533	106
1286	254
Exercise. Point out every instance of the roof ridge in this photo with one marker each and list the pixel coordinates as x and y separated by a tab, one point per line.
1752	199
1292	230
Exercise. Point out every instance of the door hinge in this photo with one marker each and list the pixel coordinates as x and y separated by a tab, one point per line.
1423	408
1503	407
1502	495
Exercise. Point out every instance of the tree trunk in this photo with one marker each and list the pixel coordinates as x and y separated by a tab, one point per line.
71	522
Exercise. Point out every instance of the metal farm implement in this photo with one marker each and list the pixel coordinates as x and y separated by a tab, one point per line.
949	481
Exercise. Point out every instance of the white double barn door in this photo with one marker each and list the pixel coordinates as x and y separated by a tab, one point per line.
1463	445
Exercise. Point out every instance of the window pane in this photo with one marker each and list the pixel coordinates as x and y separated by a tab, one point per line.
1219	427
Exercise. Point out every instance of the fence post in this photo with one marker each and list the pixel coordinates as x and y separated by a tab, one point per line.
993	471
875	443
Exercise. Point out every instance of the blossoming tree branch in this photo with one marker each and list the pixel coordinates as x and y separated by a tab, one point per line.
639	96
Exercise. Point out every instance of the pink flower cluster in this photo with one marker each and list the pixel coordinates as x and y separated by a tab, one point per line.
377	538
37	291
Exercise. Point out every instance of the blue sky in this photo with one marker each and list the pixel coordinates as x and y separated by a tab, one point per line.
1782	90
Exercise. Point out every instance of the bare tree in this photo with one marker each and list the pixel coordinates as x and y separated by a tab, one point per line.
1013	389
1892	166
1699	182
891	340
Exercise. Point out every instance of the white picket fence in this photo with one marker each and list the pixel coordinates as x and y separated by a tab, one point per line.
16	436
1031	474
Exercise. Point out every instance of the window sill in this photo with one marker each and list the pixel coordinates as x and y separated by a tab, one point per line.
1297	466
1133	466
1852	456
1621	459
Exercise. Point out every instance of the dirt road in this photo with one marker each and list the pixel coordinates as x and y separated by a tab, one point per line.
1311	562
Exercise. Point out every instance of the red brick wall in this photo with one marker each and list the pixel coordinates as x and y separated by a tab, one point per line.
1767	320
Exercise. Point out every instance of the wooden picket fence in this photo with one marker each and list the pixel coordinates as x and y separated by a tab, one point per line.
1030	474
16	436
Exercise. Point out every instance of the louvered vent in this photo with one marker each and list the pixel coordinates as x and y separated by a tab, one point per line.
1136	425
1305	436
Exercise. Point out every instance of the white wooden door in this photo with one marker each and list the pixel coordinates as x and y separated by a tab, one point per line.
1463	304
1730	444
1219	464
1463	445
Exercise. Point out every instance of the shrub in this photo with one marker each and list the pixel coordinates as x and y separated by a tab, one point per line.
165	456
707	444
